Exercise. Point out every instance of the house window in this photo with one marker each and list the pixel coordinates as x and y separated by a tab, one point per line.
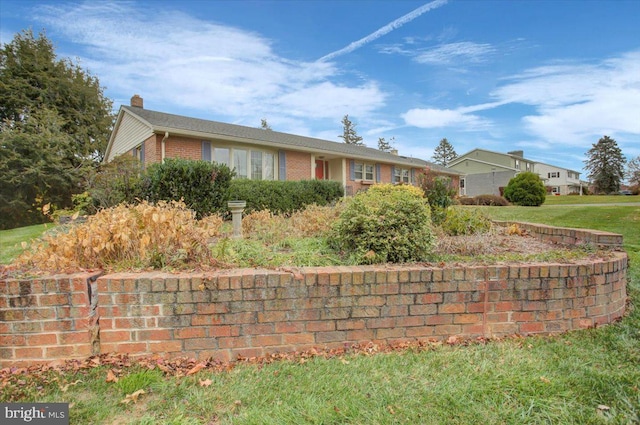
240	163
553	175
368	172
401	175
256	165
221	156
269	166
517	164
528	166
555	190
363	171
358	170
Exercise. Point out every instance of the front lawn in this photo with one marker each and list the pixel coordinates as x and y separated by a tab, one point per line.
11	241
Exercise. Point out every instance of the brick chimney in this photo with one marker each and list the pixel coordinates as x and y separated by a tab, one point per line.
136	101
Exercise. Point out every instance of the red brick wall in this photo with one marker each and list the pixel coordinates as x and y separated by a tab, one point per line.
152	152
298	165
251	312
46	319
183	147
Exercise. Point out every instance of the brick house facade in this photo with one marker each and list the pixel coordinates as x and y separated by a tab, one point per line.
256	153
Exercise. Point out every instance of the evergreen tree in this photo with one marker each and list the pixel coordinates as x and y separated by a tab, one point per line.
383	145
34	170
444	153
55	107
349	134
605	165
264	125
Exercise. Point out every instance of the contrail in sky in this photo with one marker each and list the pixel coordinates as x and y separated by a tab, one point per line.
384	30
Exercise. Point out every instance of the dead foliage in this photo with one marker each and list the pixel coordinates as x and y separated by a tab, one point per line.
139	236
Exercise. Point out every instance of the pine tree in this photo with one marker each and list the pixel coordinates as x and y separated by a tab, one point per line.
444	153
383	145
349	134
55	127
605	165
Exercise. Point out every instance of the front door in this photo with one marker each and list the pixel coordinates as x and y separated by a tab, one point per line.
320	169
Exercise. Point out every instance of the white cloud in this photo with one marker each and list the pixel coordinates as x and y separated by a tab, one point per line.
575	103
437	118
455	53
170	58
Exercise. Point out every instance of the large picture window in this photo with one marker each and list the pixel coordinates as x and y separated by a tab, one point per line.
240	163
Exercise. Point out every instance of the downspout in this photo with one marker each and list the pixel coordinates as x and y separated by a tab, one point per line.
162	146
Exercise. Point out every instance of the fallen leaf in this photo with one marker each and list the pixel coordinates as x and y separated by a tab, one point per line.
133	397
197	368
545	380
111	377
71	384
206	382
452	340
603	407
344	361
390	409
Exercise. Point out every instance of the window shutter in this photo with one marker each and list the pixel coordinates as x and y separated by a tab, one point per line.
352	169
282	165
142	154
393	174
413	176
206	151
378	173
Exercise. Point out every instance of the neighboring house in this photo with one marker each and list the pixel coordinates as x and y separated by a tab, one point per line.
561	180
256	153
488	172
485	172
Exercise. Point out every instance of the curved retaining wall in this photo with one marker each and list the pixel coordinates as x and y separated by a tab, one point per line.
249	312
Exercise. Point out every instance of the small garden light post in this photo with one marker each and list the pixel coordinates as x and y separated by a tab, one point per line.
236	208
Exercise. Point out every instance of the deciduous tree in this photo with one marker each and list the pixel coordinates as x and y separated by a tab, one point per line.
444	153
633	171
605	165
349	134
264	124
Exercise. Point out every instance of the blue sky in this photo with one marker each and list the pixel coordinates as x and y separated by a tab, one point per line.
546	77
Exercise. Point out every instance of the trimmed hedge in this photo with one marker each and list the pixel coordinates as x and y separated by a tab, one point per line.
202	185
284	197
490	200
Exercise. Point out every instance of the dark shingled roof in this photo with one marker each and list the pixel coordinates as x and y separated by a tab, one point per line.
161	121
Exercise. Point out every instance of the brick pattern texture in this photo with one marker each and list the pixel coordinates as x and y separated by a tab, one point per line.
250	312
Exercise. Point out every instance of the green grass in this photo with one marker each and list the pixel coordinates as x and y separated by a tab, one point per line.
11	240
582	377
591	199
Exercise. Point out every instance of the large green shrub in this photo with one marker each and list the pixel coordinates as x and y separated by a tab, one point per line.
439	192
525	189
202	185
386	223
284	197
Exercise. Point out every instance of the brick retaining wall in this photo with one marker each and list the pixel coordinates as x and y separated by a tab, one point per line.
250	312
